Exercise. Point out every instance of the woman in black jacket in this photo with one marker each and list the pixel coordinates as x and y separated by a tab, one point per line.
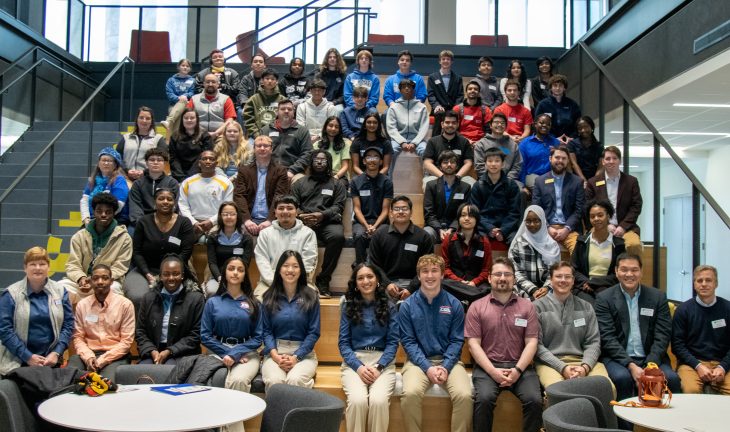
168	319
594	257
226	240
186	145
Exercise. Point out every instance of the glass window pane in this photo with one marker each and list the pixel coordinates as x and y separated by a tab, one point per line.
55	28
473	11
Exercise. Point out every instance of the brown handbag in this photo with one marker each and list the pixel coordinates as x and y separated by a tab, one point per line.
653	390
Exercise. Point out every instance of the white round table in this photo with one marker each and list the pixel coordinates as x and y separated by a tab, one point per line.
686	413
140	409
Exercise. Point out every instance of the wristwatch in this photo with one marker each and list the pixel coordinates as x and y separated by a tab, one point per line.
296	357
379	367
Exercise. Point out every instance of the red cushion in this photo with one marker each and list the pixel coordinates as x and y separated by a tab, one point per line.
489	40
374	38
155	47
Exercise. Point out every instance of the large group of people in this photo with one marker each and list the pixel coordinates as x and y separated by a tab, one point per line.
260	170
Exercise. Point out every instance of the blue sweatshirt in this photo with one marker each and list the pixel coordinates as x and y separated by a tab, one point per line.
369	333
351	120
391	92
290	322
226	317
701	333
362	79
177	86
435	329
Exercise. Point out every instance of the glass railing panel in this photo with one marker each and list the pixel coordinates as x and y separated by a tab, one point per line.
478	11
231	23
174	21
75	28
110	30
56	25
715	238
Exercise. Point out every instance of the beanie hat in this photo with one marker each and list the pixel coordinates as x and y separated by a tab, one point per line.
109	151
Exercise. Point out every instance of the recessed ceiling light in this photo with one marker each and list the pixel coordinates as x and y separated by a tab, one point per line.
702	105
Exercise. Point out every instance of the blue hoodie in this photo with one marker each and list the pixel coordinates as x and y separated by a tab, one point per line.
391	92
177	86
351	120
362	79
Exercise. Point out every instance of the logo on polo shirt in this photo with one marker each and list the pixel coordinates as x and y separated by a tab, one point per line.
446	310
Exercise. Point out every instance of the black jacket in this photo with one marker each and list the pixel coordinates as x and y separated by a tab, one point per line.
327	198
292	146
579	259
183	332
436	211
335	81
218	254
196	369
228	82
142	194
499	204
438	95
184	154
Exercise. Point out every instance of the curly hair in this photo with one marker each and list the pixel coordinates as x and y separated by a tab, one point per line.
355	302
243	153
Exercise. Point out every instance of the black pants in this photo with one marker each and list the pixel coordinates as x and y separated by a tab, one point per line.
486	392
333	237
362	241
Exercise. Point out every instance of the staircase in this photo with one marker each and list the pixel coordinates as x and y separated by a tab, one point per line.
23	215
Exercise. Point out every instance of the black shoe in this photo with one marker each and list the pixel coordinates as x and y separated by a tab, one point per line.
324	290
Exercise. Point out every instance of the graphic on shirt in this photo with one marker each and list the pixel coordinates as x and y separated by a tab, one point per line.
368	84
266	114
445	310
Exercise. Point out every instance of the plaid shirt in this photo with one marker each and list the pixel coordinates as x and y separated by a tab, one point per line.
531	272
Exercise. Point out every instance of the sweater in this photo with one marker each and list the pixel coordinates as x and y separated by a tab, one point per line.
273	241
150	244
312	117
512	161
178	85
294	88
407	121
200	197
362	79
335	81
701	333
185	152
259	111
391	92
291	146
351	120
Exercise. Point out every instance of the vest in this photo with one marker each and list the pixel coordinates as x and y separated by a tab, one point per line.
210	112
18	291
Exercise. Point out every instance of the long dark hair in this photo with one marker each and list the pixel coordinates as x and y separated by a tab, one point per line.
363	135
355	302
239	216
591	123
523	75
245	286
181	132
338	143
308	295
152	117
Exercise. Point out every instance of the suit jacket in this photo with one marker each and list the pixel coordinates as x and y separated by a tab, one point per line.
579	259
435	208
439	95
655	323
543	194
628	199
244	191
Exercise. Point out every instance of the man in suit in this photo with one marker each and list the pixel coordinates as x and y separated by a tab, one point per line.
560	194
635	328
445	89
622	190
254	202
442	198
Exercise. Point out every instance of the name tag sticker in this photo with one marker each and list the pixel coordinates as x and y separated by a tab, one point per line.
274	133
92	318
512	119
542	86
457	151
491	87
468	117
244	305
647	312
411	247
580	322
395	87
360	119
437	82
302	82
459	196
549	180
549	114
274	105
365	192
58	301
600	182
520	322
237	251
174	240
446	310
718	323
327	192
479	253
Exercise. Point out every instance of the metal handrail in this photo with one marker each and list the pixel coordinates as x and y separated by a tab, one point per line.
31	51
657	136
51	145
36	64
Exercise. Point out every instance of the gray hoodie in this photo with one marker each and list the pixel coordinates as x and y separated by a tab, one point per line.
407	121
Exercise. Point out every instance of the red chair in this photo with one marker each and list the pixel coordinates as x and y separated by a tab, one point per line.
154	46
245	41
490	40
382	39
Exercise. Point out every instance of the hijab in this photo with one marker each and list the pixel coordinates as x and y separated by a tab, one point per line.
541	241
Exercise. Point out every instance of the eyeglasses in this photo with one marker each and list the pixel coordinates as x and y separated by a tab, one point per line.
498	122
262	145
401	209
320	160
502	274
228	214
372	158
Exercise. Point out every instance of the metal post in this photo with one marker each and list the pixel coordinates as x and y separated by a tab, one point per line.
316	35
1	108
139	37
68	24
588	16
657	214
601	110
83	30
121	94
357	22
256	35
426	7
51	158
131	93
33	78
572	23
88	35
565	32
197	39
580	75
496	21
91	136
626	138
304	35
61	91
696	235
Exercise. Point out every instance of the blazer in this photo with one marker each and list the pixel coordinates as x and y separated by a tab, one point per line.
435	208
244	190
579	259
655	323
543	194
628	199
438	95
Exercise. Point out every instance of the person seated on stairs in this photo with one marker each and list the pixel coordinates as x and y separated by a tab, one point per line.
370	135
285	233
536	151
168	320
406	123
213	106
260	108
519	118
179	88
498	139
104	327
353	116
448	139
134	145
443	195
291	325
202	194
445	89
227	77
321	200
156	235
257	185
227	239
362	76
186	144
368	341
294	85
333	142
313	111
396	249
36	317
142	193
488	90
473	114
433	350
106	177
332	71
291	142
248	84
232	150
102	241
232	328
392	90
372	193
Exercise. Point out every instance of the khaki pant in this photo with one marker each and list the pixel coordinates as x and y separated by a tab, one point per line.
301	375
549	376
239	378
174	116
368	406
691	382
415	384
632	241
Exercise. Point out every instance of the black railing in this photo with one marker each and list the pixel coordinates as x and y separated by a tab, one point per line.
658	143
50	147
